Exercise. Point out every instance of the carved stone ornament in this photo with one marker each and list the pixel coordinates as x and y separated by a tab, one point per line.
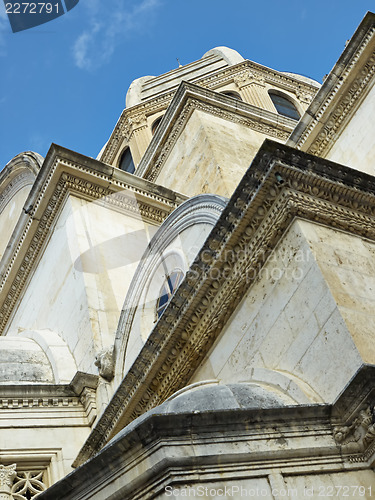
247	78
359	436
7	474
20	485
138	120
104	360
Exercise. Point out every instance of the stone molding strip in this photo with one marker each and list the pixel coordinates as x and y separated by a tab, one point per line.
341	93
79	394
65	172
21	171
227	446
281	184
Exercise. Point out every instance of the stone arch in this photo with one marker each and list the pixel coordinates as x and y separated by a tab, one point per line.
179	238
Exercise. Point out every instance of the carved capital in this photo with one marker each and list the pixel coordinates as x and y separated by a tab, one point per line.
137	121
359	435
104	360
246	78
126	129
304	97
7	475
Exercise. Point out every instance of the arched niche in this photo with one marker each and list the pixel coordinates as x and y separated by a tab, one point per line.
173	248
16	181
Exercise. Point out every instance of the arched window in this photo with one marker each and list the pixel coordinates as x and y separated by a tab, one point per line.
231	93
126	161
171	283
284	106
155	125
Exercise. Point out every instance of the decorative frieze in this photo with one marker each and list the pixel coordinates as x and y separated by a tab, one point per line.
339	104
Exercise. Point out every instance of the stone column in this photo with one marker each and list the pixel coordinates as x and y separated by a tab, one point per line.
7	474
140	137
253	90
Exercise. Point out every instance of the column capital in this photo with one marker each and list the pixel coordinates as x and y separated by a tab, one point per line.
7	474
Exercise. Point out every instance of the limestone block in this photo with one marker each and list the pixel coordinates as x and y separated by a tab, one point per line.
290	323
358	134
210	156
9	216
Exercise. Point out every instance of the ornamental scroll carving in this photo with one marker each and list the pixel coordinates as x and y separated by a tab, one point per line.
359	436
20	485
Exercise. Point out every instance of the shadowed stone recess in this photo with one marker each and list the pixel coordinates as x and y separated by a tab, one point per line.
23	360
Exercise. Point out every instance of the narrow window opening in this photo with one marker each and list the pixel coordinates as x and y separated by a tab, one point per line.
284	106
126	162
231	93
155	125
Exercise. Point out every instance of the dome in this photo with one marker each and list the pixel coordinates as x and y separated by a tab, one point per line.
23	361
230	56
211	396
303	78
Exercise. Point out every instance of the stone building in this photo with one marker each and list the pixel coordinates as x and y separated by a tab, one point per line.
189	314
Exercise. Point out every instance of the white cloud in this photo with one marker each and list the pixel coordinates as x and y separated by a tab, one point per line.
108	23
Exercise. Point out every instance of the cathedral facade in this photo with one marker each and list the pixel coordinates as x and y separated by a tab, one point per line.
189	314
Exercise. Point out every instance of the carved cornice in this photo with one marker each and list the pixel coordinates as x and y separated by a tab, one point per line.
342	92
343	110
280	185
246	71
38	402
64	173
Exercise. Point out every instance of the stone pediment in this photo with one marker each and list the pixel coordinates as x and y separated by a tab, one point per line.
280	186
65	173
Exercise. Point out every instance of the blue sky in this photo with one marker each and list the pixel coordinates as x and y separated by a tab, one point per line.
66	81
